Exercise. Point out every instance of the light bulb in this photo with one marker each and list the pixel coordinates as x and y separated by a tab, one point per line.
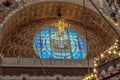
95	64
114	52
109	52
102	56
94	70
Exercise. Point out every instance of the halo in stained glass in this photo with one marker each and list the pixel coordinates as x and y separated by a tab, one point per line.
49	44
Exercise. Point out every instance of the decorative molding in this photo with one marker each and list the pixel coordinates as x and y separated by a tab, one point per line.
14	77
37	62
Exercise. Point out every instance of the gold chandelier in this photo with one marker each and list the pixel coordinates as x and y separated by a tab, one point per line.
61	25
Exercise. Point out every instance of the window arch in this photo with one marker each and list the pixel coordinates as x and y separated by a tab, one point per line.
48	43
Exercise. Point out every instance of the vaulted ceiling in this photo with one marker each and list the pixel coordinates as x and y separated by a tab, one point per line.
18	34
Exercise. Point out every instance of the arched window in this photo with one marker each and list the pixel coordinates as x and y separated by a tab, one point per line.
48	43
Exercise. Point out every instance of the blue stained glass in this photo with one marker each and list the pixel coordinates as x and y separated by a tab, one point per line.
48	44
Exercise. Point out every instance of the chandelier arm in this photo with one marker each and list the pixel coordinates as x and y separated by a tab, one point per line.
41	62
59	35
42	66
86	31
65	41
69	42
4	16
51	46
23	3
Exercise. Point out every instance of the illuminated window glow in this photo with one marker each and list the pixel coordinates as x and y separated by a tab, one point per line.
49	44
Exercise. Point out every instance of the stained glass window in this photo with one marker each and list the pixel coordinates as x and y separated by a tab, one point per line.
49	44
